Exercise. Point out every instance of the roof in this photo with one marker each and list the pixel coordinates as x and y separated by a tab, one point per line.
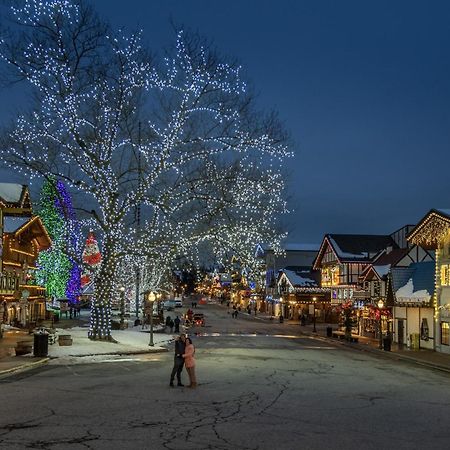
355	247
11	192
36	229
358	246
11	224
414	283
301	276
432	228
392	258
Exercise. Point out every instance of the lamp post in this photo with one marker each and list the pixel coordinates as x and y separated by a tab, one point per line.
380	308
314	314
151	299
122	307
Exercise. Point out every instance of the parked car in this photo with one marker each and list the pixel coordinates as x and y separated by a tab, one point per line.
199	319
178	303
169	305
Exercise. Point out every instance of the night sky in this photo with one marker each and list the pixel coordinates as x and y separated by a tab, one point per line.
363	87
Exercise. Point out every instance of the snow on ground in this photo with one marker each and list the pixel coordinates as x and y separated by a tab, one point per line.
130	340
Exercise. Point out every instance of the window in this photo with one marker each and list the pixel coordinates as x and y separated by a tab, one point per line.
445	275
445	335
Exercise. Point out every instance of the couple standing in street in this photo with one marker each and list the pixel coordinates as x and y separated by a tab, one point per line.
184	356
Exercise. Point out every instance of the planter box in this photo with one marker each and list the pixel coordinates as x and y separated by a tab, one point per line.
23	347
65	340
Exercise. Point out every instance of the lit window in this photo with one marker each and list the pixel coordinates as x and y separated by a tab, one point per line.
445	275
445	333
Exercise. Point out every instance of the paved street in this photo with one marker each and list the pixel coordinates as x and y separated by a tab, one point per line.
260	387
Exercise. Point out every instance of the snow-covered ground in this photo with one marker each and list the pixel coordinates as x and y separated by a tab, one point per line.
129	341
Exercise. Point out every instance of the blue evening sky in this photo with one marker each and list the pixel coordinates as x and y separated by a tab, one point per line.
364	88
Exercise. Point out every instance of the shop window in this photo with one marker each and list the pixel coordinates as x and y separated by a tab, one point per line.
445	335
445	275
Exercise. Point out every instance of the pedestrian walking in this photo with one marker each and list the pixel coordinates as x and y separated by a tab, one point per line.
189	362
171	325
168	319
177	322
178	361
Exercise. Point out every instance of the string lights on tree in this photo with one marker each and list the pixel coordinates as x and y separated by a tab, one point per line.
204	165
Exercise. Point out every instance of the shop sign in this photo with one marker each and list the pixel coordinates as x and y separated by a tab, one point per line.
9	283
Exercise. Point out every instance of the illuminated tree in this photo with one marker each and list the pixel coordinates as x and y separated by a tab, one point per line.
57	267
53	264
181	138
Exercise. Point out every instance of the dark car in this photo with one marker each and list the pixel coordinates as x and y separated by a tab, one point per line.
199	320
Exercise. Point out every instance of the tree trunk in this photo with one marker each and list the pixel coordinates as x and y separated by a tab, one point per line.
100	327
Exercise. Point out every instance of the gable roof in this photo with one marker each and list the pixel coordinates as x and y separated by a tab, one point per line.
11	224
300	277
413	283
355	247
431	229
15	198
392	257
36	229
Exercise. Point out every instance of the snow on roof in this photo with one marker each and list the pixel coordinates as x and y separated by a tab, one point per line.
11	224
342	254
11	192
382	270
296	279
406	293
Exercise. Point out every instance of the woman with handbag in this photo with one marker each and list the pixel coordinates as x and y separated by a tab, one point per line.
189	362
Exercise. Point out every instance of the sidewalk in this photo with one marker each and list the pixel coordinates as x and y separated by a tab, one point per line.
133	340
422	357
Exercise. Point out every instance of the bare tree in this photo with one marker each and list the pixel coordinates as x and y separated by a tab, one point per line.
206	167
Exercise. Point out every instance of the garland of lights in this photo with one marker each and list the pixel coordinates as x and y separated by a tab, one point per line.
209	168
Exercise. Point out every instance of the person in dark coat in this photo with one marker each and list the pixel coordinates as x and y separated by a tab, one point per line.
177	324
178	362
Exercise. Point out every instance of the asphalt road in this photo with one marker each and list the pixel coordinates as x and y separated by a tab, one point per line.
261	386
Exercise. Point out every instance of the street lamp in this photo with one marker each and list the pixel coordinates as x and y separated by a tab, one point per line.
151	299
314	315
122	307
380	308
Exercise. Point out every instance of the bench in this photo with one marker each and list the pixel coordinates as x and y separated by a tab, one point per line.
341	335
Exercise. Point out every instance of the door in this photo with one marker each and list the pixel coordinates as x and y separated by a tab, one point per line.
401	332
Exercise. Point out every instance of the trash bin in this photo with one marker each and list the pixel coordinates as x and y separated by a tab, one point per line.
40	347
329	332
387	344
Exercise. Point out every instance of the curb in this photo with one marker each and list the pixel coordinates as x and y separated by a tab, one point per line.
137	352
23	367
375	351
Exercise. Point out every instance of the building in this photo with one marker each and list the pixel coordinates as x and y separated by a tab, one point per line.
23	237
410	293
433	233
343	259
292	255
300	295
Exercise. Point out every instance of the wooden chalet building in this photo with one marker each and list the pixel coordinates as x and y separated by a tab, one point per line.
23	237
433	233
298	255
301	295
381	280
342	260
